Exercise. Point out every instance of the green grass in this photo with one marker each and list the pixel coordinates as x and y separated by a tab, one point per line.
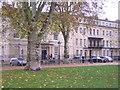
67	77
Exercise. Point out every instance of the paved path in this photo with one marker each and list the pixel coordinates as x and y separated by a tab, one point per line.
62	65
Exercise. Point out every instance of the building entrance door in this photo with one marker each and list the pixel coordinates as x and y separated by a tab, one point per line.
85	53
90	53
44	54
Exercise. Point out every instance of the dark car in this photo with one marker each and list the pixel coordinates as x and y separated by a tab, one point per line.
97	59
78	57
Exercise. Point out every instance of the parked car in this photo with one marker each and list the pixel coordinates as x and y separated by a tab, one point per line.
17	61
78	57
98	59
103	58
109	59
1	61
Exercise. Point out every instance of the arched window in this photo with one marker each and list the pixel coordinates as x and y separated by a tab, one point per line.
90	31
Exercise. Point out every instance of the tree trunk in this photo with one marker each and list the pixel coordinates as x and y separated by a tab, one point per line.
66	46
33	59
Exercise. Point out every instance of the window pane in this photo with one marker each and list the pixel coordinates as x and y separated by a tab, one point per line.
55	36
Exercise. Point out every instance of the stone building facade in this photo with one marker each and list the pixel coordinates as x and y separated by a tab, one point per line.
100	39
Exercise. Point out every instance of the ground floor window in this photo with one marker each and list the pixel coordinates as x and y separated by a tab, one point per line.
77	52
81	52
56	52
44	54
111	53
103	52
107	52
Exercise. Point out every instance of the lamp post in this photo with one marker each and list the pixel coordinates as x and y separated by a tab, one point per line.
19	49
22	53
59	52
3	53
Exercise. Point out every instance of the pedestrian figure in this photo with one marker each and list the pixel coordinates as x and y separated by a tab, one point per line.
48	56
51	56
83	59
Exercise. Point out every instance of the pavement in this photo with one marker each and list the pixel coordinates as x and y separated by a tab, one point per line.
8	67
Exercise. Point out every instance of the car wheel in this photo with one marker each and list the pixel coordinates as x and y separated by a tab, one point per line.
104	61
18	64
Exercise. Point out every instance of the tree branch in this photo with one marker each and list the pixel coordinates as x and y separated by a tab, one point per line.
26	12
48	19
33	5
40	8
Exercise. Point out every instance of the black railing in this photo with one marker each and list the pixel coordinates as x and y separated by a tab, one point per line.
100	46
85	59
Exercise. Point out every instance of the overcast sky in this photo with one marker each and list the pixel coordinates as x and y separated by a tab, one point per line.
111	10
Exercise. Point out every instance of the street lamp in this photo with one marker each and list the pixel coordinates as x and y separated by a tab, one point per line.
3	54
19	49
59	52
22	53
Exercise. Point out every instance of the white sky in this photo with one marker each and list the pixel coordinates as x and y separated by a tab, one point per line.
111	10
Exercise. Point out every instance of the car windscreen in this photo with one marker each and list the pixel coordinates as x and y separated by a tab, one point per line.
20	59
101	57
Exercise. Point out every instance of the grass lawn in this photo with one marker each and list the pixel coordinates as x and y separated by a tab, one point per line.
65	77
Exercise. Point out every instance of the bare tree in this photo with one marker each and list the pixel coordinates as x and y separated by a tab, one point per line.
31	20
67	18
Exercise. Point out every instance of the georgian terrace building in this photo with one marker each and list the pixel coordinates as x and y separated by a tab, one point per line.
100	39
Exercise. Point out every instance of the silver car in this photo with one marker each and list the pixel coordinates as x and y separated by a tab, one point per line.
17	61
109	59
98	59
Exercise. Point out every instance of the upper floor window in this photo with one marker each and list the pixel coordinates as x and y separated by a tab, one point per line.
90	42
116	25
76	41
103	23
80	42
85	42
84	30
110	33
93	31
97	32
90	31
106	24
16	35
80	20
110	24
106	33
103	32
103	42
107	43
55	36
76	31
96	22
80	30
84	20
94	42
110	43
98	43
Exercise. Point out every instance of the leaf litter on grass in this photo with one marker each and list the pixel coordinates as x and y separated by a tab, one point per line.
80	77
